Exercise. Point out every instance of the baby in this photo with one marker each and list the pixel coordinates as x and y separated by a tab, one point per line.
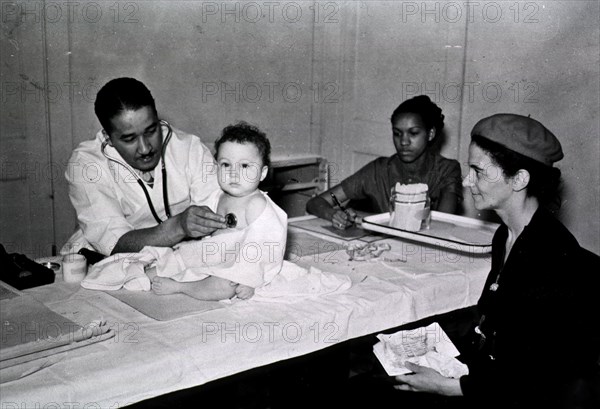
248	254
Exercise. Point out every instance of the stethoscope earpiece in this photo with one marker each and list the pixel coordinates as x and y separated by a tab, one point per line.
107	140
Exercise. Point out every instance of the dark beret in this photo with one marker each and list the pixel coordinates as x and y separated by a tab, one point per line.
521	134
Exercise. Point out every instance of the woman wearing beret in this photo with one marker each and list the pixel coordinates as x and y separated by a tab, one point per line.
537	341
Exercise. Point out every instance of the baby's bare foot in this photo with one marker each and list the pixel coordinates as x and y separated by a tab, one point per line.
164	285
150	272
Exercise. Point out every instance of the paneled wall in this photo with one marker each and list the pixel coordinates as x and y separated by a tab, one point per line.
320	77
28	179
475	59
545	60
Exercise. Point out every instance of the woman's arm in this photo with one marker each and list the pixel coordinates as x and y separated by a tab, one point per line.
448	202
451	192
322	206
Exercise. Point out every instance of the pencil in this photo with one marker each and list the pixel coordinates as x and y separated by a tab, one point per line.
338	204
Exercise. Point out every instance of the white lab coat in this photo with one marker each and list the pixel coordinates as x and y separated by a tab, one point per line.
109	201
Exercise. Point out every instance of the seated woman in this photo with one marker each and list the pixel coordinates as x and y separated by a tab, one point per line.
537	341
415	125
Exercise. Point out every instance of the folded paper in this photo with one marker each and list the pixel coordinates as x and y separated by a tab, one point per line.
425	346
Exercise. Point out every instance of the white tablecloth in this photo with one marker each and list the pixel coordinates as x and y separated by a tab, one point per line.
148	358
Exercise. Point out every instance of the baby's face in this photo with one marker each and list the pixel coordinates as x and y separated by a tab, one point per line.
240	168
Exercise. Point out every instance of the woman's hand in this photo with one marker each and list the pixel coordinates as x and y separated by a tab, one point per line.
328	206
425	379
342	220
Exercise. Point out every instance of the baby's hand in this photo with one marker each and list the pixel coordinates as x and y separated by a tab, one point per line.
243	292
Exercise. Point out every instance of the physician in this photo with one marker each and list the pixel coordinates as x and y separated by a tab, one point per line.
139	182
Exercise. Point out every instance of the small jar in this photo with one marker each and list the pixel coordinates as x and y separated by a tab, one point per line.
410	207
74	268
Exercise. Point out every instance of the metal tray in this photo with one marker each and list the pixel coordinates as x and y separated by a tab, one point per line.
446	230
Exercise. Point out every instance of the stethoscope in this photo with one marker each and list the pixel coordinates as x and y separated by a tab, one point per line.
139	180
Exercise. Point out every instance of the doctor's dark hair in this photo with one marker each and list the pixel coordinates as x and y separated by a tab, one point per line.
118	95
430	113
243	132
544	180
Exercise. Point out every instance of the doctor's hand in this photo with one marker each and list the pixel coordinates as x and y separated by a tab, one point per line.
425	379
198	221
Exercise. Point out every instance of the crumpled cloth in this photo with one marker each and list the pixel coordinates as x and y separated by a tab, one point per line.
294	283
426	346
252	256
126	270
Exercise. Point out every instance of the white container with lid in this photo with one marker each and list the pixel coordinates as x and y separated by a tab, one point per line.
74	268
409	207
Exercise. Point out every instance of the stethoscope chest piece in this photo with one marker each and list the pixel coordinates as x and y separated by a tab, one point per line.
230	220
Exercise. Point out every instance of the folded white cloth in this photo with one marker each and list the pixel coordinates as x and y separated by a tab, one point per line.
294	282
118	271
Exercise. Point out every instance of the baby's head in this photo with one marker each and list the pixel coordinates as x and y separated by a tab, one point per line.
242	154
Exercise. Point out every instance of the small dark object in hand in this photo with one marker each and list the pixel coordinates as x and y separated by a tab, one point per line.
230	220
91	256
